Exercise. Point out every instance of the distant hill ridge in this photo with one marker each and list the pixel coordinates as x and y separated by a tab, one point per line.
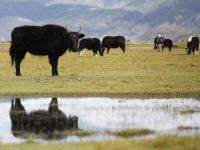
176	19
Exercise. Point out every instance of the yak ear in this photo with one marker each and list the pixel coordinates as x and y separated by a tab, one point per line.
81	35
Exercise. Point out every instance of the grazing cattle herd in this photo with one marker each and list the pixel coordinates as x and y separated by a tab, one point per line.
54	40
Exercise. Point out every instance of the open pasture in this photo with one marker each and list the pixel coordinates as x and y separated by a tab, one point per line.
164	143
140	72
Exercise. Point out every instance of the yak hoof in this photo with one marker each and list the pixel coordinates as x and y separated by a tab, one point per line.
18	74
55	74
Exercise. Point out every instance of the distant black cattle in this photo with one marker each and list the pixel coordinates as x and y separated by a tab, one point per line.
167	43
192	45
50	40
158	42
93	44
113	42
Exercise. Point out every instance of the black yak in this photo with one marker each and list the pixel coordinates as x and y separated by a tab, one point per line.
93	44
113	42
50	40
167	43
192	45
41	123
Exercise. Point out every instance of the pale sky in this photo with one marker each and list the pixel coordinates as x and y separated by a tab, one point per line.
139	5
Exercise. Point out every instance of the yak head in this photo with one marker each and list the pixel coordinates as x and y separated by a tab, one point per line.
74	39
188	51
158	42
189	47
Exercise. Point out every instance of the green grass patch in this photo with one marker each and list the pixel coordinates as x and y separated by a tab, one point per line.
132	132
140	72
187	128
190	111
79	133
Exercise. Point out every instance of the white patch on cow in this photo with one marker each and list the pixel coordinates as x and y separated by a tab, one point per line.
190	39
196	52
95	55
159	35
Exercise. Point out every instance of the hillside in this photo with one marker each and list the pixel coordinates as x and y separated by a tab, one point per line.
176	19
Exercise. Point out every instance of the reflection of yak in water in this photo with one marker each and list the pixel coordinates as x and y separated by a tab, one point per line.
42	123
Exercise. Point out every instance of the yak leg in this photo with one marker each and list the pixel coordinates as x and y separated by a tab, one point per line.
18	59
100	52
123	48
197	48
162	48
193	51
170	49
54	64
108	50
17	67
155	47
95	52
159	47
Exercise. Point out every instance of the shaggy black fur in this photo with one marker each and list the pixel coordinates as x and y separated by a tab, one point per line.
93	44
193	45
50	40
167	43
113	42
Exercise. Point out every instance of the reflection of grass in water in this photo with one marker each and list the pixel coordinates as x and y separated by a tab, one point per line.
187	128
79	133
31	137
161	143
132	132
190	111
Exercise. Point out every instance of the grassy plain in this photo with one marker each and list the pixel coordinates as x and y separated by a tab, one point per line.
162	143
140	72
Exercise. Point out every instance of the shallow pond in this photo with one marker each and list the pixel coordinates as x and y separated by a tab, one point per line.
106	115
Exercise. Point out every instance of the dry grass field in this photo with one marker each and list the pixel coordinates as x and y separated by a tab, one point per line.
162	143
140	72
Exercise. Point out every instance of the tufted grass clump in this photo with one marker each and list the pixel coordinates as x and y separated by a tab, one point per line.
132	132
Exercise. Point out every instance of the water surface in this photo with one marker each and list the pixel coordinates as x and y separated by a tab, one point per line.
163	116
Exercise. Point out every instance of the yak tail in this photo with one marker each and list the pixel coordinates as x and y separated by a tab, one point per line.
12	54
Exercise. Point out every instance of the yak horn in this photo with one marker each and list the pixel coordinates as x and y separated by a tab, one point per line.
66	28
79	29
